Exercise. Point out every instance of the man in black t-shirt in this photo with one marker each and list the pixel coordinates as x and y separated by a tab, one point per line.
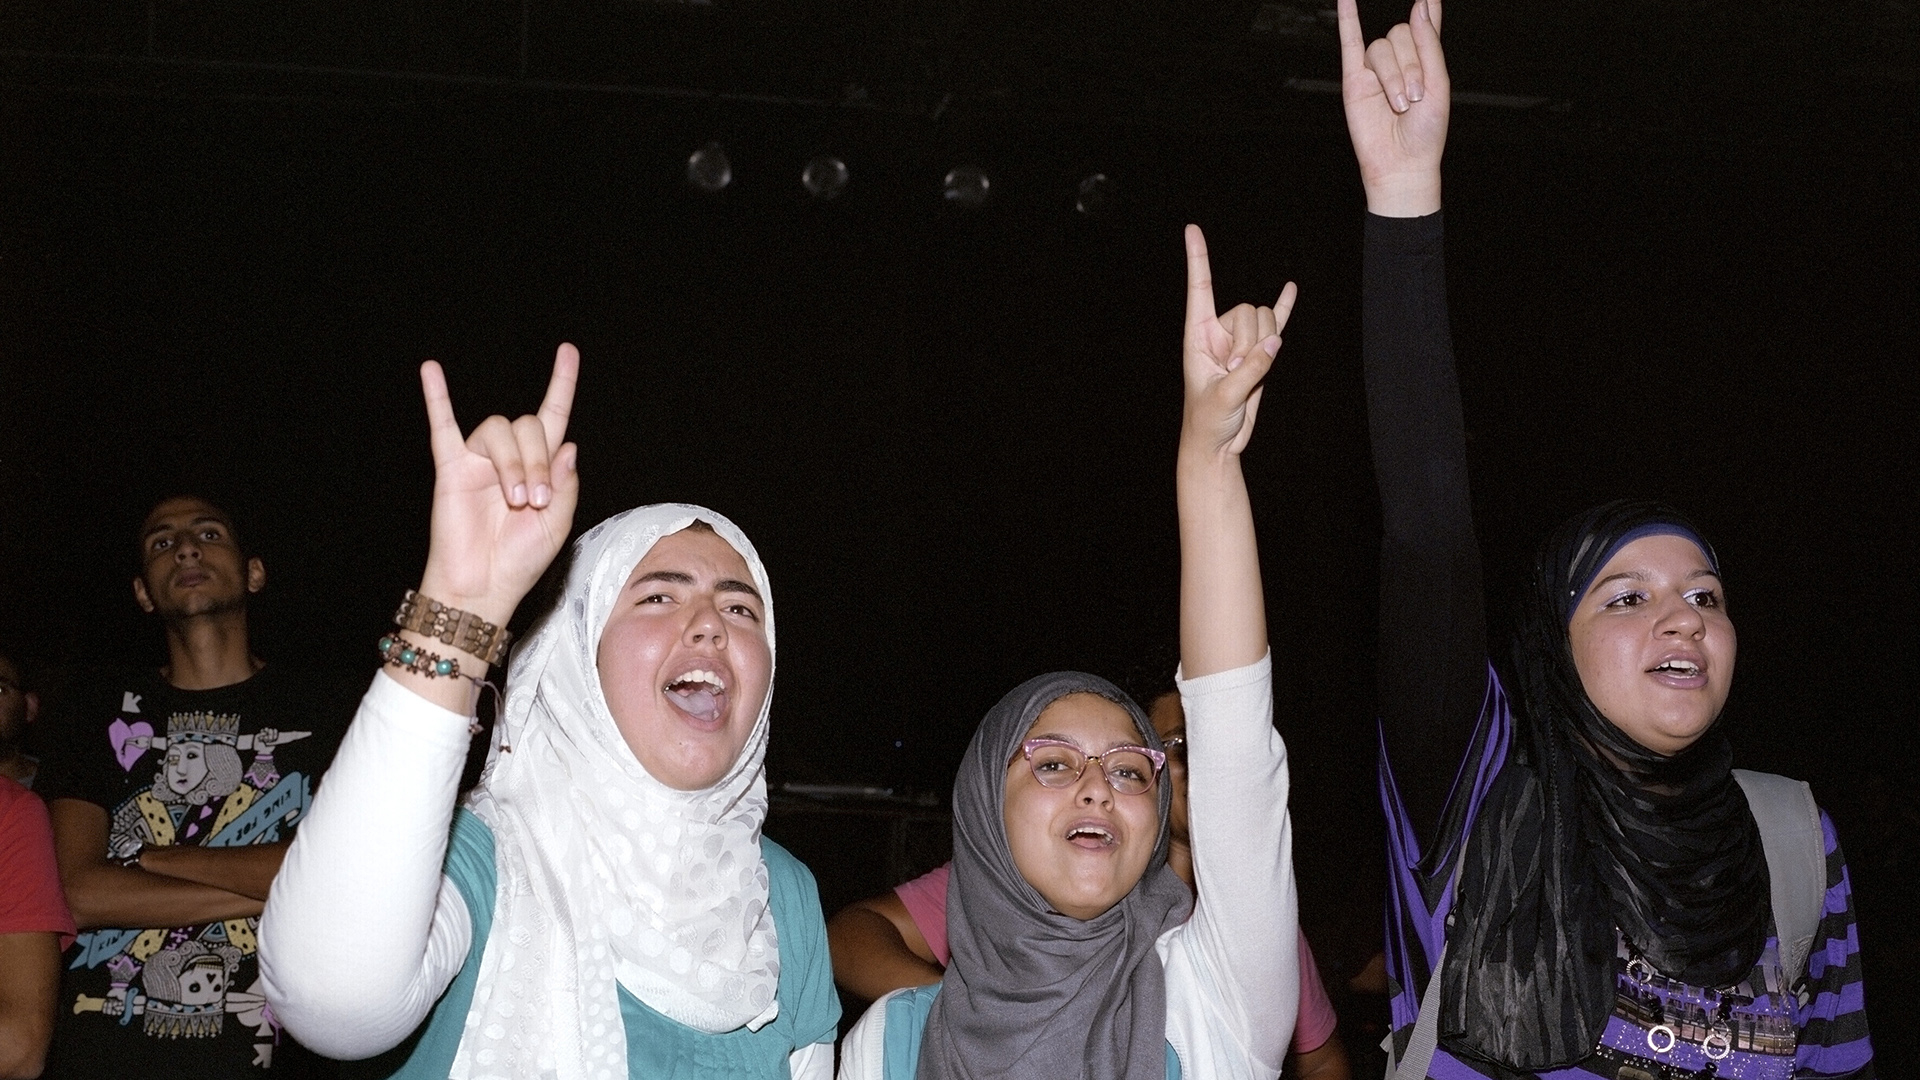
173	795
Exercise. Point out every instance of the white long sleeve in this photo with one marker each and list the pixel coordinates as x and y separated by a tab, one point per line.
813	1061
1233	969
362	933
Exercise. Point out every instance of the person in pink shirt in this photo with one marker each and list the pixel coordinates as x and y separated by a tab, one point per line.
34	927
899	938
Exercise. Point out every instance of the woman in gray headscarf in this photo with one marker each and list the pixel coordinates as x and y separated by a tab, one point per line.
604	905
1076	952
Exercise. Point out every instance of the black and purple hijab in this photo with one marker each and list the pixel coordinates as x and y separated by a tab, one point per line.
1576	830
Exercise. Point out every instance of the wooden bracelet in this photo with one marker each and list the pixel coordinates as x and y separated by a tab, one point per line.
463	630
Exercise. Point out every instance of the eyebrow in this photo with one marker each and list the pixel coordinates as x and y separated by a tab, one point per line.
1636	575
677	577
1075	743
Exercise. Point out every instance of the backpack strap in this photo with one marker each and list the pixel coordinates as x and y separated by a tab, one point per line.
1796	848
1426	1031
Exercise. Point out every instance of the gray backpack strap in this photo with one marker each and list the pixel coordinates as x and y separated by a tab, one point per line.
1789	823
1426	1031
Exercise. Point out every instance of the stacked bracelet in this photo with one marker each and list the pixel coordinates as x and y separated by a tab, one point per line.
403	654
463	630
399	653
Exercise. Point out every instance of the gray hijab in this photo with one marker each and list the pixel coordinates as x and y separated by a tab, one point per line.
1030	992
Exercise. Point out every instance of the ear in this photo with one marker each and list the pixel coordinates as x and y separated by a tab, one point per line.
33	706
256	575
140	595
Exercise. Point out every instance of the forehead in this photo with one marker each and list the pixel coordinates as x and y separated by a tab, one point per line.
1167	714
692	551
1662	554
1089	720
175	513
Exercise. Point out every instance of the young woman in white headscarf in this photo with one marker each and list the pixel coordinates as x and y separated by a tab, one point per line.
1076	952
603	905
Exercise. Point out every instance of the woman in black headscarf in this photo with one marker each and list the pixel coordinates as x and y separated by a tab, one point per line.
1597	897
1076	952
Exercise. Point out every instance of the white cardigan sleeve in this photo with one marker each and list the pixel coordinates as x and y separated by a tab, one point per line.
1233	970
362	933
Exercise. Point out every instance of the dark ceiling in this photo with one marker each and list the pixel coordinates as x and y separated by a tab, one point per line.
1741	69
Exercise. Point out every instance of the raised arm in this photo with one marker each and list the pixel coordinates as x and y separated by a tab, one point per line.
1233	979
1433	652
362	933
1223	615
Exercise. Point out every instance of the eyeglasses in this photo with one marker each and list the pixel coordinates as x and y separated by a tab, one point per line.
1176	748
1129	770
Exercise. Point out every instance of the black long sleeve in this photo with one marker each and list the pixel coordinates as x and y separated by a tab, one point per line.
1433	649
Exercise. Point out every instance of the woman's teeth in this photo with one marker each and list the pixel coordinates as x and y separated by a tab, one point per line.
1091	833
699	694
699	675
1680	667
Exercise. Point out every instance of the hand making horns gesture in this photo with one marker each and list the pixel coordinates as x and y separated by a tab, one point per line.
503	497
1397	97
1225	357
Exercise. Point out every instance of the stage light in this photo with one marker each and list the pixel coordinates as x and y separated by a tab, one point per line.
824	177
965	186
1096	194
708	168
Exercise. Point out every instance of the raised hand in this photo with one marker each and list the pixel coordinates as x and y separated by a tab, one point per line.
503	497
1398	98
1224	358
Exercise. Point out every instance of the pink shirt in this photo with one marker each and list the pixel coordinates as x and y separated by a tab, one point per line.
32	901
925	898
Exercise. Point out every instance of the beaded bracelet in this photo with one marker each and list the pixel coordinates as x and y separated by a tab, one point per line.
403	654
463	630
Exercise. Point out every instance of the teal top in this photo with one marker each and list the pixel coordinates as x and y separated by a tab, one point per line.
657	1048
907	1022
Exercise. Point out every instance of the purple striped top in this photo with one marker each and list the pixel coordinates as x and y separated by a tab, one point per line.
1759	1030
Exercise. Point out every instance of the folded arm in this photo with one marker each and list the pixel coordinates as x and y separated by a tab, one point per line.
104	893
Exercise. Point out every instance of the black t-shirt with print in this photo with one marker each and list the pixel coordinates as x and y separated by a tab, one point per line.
219	768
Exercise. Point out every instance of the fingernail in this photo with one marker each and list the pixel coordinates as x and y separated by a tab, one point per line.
1415	91
1271	347
542	494
518	495
1235	363
1399	103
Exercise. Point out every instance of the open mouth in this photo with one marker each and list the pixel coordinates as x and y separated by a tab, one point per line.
1685	669
700	694
1090	836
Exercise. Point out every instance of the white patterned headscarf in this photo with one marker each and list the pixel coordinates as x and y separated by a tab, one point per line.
606	875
